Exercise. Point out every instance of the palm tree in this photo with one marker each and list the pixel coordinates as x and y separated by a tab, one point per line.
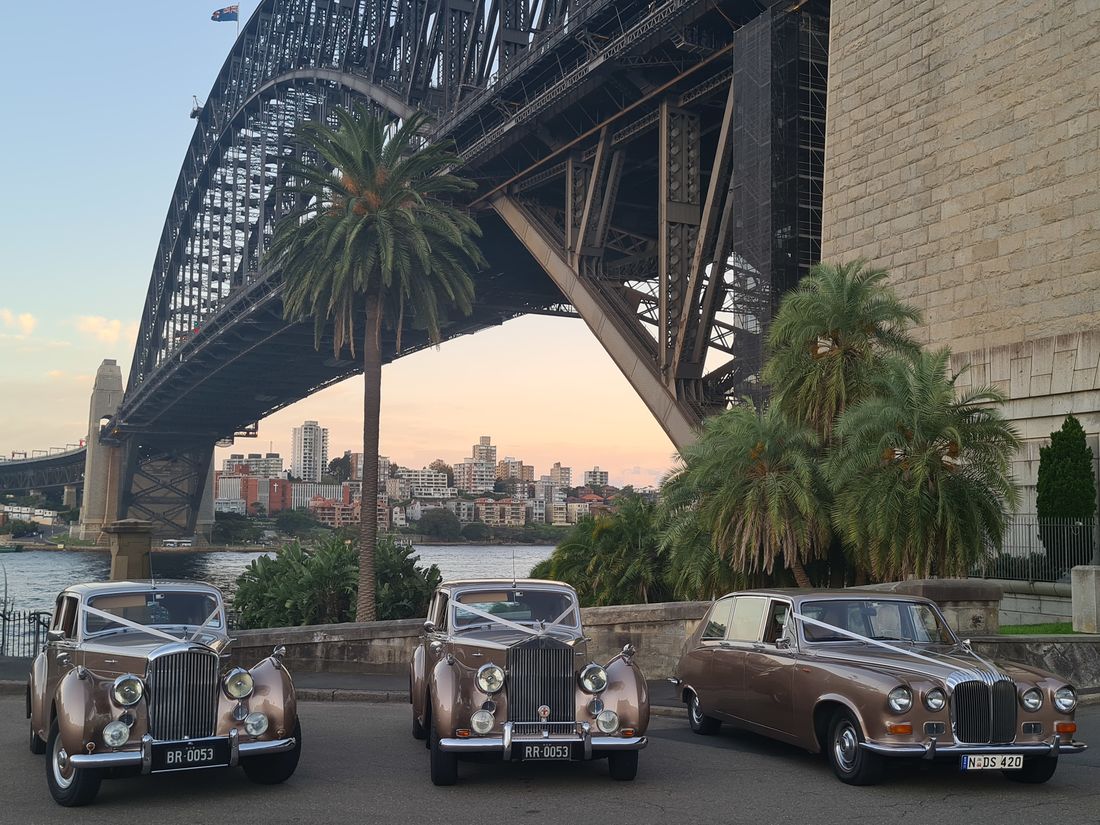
827	340
752	481
376	243
922	477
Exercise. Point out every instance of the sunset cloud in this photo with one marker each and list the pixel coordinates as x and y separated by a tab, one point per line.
107	330
23	322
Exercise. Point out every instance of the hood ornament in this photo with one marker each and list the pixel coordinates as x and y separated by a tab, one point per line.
544	712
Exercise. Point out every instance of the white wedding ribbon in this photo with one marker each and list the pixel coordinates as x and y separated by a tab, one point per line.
513	625
152	631
205	622
859	637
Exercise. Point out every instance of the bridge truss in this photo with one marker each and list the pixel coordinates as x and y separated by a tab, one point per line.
651	166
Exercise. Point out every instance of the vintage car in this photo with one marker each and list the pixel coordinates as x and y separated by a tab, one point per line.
503	671
864	675
133	680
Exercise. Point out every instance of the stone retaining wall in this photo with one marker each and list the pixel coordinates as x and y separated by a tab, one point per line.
1075	658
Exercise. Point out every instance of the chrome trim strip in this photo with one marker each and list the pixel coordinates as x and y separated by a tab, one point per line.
144	757
506	742
118	759
935	749
586	733
234	747
485	744
247	749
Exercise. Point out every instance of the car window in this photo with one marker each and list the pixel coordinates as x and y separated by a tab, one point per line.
64	617
748	611
776	626
521	605
885	620
154	608
718	621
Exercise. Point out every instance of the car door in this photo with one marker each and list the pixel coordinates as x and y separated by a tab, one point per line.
697	668
729	658
61	644
767	699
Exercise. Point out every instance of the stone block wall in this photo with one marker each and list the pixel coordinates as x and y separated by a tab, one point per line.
963	155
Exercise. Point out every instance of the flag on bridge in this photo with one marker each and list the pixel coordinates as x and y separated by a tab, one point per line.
230	14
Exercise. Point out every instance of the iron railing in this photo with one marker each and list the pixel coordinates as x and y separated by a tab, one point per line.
23	632
1041	549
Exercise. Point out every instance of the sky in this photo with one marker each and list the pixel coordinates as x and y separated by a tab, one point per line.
97	98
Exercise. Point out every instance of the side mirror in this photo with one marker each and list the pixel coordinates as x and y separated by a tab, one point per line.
55	635
783	643
429	626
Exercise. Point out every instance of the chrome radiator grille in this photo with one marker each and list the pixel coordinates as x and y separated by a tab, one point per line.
540	672
985	713
183	695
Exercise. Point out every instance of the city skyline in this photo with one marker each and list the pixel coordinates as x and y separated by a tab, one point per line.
59	319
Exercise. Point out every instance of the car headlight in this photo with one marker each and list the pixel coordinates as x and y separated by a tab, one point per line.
255	724
1032	699
935	699
238	684
115	734
900	699
607	721
127	691
1065	699
593	678
490	678
481	721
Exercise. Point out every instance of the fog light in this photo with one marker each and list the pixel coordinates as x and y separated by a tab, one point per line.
607	721
1065	727
115	734
255	724
935	728
482	722
595	707
1033	727
899	728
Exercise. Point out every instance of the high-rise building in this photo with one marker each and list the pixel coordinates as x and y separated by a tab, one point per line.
426	483
310	456
509	469
484	450
595	477
562	476
268	465
474	476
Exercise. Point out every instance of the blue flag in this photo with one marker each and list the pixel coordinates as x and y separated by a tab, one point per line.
227	15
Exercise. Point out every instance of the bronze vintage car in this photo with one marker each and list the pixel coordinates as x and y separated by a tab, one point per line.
133	680
502	670
866	675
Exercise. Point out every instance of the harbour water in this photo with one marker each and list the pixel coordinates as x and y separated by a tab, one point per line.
34	578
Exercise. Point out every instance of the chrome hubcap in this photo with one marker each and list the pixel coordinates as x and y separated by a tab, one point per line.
696	714
62	770
845	746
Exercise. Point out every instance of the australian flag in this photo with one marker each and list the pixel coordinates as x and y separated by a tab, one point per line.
227	15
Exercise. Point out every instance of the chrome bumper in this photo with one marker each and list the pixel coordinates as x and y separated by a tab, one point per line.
144	758
505	743
931	749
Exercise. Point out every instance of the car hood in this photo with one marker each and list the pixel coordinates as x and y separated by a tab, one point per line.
939	662
477	647
137	645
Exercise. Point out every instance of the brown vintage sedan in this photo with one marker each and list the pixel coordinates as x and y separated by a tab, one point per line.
862	676
502	671
132	680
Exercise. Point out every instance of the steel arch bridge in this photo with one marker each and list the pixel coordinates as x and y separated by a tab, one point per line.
652	166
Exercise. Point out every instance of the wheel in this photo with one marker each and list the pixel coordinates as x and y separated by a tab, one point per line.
418	729
275	768
444	766
623	765
68	786
38	747
1036	770
852	764
701	723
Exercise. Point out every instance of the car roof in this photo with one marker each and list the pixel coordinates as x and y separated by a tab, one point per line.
463	584
799	595
96	588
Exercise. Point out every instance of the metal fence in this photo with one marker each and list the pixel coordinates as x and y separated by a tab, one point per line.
23	632
1041	550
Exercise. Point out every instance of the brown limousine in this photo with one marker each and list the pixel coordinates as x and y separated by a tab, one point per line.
503	670
132	681
864	675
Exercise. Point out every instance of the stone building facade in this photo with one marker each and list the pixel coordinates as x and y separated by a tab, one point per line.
963	155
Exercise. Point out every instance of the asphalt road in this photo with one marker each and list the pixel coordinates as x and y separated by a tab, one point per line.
361	765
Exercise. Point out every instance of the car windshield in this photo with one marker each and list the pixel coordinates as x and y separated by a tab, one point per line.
890	621
518	605
180	613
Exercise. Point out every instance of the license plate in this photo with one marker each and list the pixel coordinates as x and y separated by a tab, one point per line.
199	753
992	762
544	750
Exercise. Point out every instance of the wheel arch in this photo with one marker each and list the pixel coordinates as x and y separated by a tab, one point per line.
824	710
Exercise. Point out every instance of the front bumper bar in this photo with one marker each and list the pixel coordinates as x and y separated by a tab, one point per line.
931	749
144	758
505	743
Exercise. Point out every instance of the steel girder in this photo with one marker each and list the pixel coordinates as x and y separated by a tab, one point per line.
57	470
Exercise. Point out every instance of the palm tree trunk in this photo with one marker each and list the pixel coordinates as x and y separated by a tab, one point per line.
800	577
365	608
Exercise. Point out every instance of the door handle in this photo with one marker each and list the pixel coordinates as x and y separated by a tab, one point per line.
759	648
725	644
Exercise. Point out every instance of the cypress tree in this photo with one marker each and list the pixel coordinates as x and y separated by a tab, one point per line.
1066	492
